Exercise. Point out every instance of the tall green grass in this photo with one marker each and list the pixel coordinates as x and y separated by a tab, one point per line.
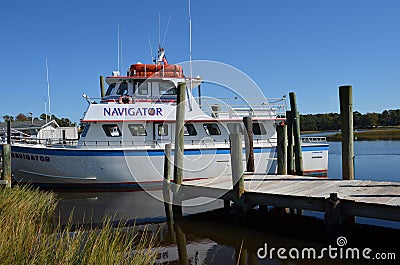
28	235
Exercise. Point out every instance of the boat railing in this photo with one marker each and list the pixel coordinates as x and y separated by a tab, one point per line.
44	141
237	108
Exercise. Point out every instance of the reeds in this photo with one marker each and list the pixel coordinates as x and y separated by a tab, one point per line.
28	235
370	135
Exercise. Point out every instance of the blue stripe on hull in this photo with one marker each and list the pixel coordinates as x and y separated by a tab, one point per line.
82	152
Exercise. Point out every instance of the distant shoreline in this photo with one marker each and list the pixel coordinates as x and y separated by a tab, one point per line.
376	134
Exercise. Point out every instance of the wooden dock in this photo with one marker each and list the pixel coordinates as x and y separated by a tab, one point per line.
373	199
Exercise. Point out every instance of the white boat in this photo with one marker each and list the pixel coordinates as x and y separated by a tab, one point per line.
122	143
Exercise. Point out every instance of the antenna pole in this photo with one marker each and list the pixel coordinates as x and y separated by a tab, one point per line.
48	88
159	18
45	109
118	50
190	51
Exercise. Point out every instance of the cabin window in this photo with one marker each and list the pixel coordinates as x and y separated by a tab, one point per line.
110	89
189	130
85	130
111	130
235	128
162	130
211	129
123	88
167	89
143	89
137	129
258	129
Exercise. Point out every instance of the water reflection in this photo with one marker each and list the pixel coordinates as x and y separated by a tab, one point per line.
210	234
223	237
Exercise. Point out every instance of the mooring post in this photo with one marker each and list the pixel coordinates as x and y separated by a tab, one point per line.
6	155
179	148
346	115
296	132
248	140
167	162
282	149
166	184
237	168
290	161
166	193
332	216
102	87
9	132
181	243
6	173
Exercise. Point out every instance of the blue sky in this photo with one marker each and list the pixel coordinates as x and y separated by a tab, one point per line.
310	47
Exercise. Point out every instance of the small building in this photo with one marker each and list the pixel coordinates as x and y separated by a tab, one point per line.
39	130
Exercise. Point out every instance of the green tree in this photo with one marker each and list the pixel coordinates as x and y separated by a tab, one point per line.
21	117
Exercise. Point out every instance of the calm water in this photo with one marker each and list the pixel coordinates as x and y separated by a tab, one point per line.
217	238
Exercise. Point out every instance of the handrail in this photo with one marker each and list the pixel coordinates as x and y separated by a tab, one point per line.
250	106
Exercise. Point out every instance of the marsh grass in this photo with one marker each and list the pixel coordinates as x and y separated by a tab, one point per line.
28	235
370	135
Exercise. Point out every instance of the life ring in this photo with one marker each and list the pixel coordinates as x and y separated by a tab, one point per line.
125	99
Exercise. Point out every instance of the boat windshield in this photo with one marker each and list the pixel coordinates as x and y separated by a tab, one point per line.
110	89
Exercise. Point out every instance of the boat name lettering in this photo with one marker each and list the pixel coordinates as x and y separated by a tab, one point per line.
40	158
132	112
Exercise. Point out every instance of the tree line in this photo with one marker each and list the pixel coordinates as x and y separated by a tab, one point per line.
331	121
63	122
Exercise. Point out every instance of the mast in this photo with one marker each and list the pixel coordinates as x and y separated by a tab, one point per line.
48	90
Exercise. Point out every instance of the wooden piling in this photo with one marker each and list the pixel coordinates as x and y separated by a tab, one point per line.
346	115
102	87
166	184
167	162
296	134
9	132
181	244
237	167
6	173
179	134
248	139
290	161
332	216
282	149
179	147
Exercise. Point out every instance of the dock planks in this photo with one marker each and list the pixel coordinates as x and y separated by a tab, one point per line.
373	199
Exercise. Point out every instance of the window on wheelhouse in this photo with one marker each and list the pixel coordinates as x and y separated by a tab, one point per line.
258	129
167	88
85	130
137	129
212	129
162	130
142	88
111	130
110	89
189	130
123	87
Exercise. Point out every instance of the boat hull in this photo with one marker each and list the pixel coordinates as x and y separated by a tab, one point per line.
119	168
